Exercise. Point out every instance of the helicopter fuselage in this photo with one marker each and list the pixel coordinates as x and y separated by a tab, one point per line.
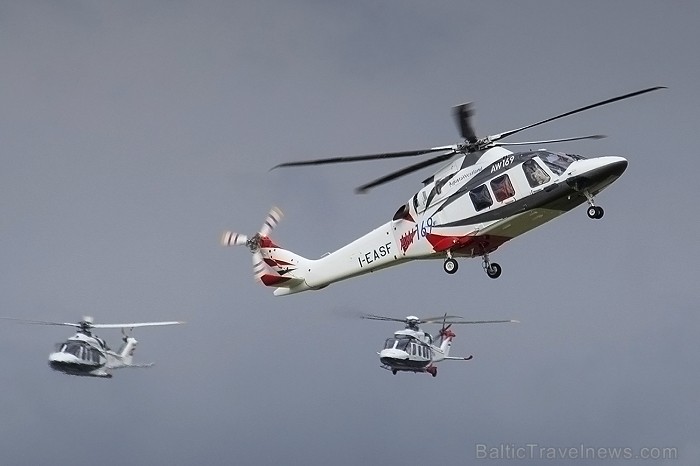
87	355
467	209
412	350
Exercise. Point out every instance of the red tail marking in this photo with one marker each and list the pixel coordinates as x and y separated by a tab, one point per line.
266	242
273	280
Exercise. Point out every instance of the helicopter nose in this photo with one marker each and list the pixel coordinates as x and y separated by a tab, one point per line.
391	355
615	166
598	172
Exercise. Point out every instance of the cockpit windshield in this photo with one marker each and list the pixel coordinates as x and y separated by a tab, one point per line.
73	347
556	161
81	350
398	343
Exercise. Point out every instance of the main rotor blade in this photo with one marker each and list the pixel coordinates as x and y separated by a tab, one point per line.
463	114
376	317
404	171
40	322
438	319
136	324
484	322
359	158
549	141
496	137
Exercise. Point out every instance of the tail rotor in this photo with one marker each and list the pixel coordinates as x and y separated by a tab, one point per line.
230	238
254	243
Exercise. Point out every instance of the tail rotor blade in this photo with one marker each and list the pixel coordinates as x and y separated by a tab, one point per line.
258	264
273	218
230	238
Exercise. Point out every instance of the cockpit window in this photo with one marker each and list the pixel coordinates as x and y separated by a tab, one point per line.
402	343
389	343
81	351
74	348
534	173
556	161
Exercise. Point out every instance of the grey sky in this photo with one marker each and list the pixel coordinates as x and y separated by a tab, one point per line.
134	133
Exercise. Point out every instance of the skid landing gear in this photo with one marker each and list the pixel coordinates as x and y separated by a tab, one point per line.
594	211
492	269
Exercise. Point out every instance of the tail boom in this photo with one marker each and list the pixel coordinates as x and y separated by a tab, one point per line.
291	273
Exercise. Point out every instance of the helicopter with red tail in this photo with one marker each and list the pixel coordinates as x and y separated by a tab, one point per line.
481	197
414	350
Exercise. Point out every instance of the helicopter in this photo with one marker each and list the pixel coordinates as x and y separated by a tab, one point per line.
482	197
86	354
414	350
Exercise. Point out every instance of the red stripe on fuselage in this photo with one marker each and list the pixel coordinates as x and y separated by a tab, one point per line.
466	245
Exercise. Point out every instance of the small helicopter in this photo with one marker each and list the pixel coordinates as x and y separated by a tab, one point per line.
484	196
414	350
85	354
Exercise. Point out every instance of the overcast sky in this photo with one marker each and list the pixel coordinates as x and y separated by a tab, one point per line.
133	133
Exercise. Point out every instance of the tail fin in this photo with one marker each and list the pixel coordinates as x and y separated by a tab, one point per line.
279	268
447	335
127	351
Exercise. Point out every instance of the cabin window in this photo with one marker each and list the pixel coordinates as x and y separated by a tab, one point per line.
502	188
481	198
534	173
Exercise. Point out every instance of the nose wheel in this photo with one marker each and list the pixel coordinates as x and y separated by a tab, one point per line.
594	211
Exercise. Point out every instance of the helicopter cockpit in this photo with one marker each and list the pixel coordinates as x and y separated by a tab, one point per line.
558	162
81	350
398	343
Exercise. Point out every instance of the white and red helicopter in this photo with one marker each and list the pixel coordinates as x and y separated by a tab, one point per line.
86	354
414	350
486	195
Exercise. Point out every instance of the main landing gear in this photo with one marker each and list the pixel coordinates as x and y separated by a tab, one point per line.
450	265
492	269
594	211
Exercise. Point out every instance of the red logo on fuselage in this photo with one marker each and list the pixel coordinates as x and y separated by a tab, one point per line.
407	239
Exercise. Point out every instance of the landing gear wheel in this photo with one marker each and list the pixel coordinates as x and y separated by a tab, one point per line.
494	270
450	266
432	371
394	371
595	212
